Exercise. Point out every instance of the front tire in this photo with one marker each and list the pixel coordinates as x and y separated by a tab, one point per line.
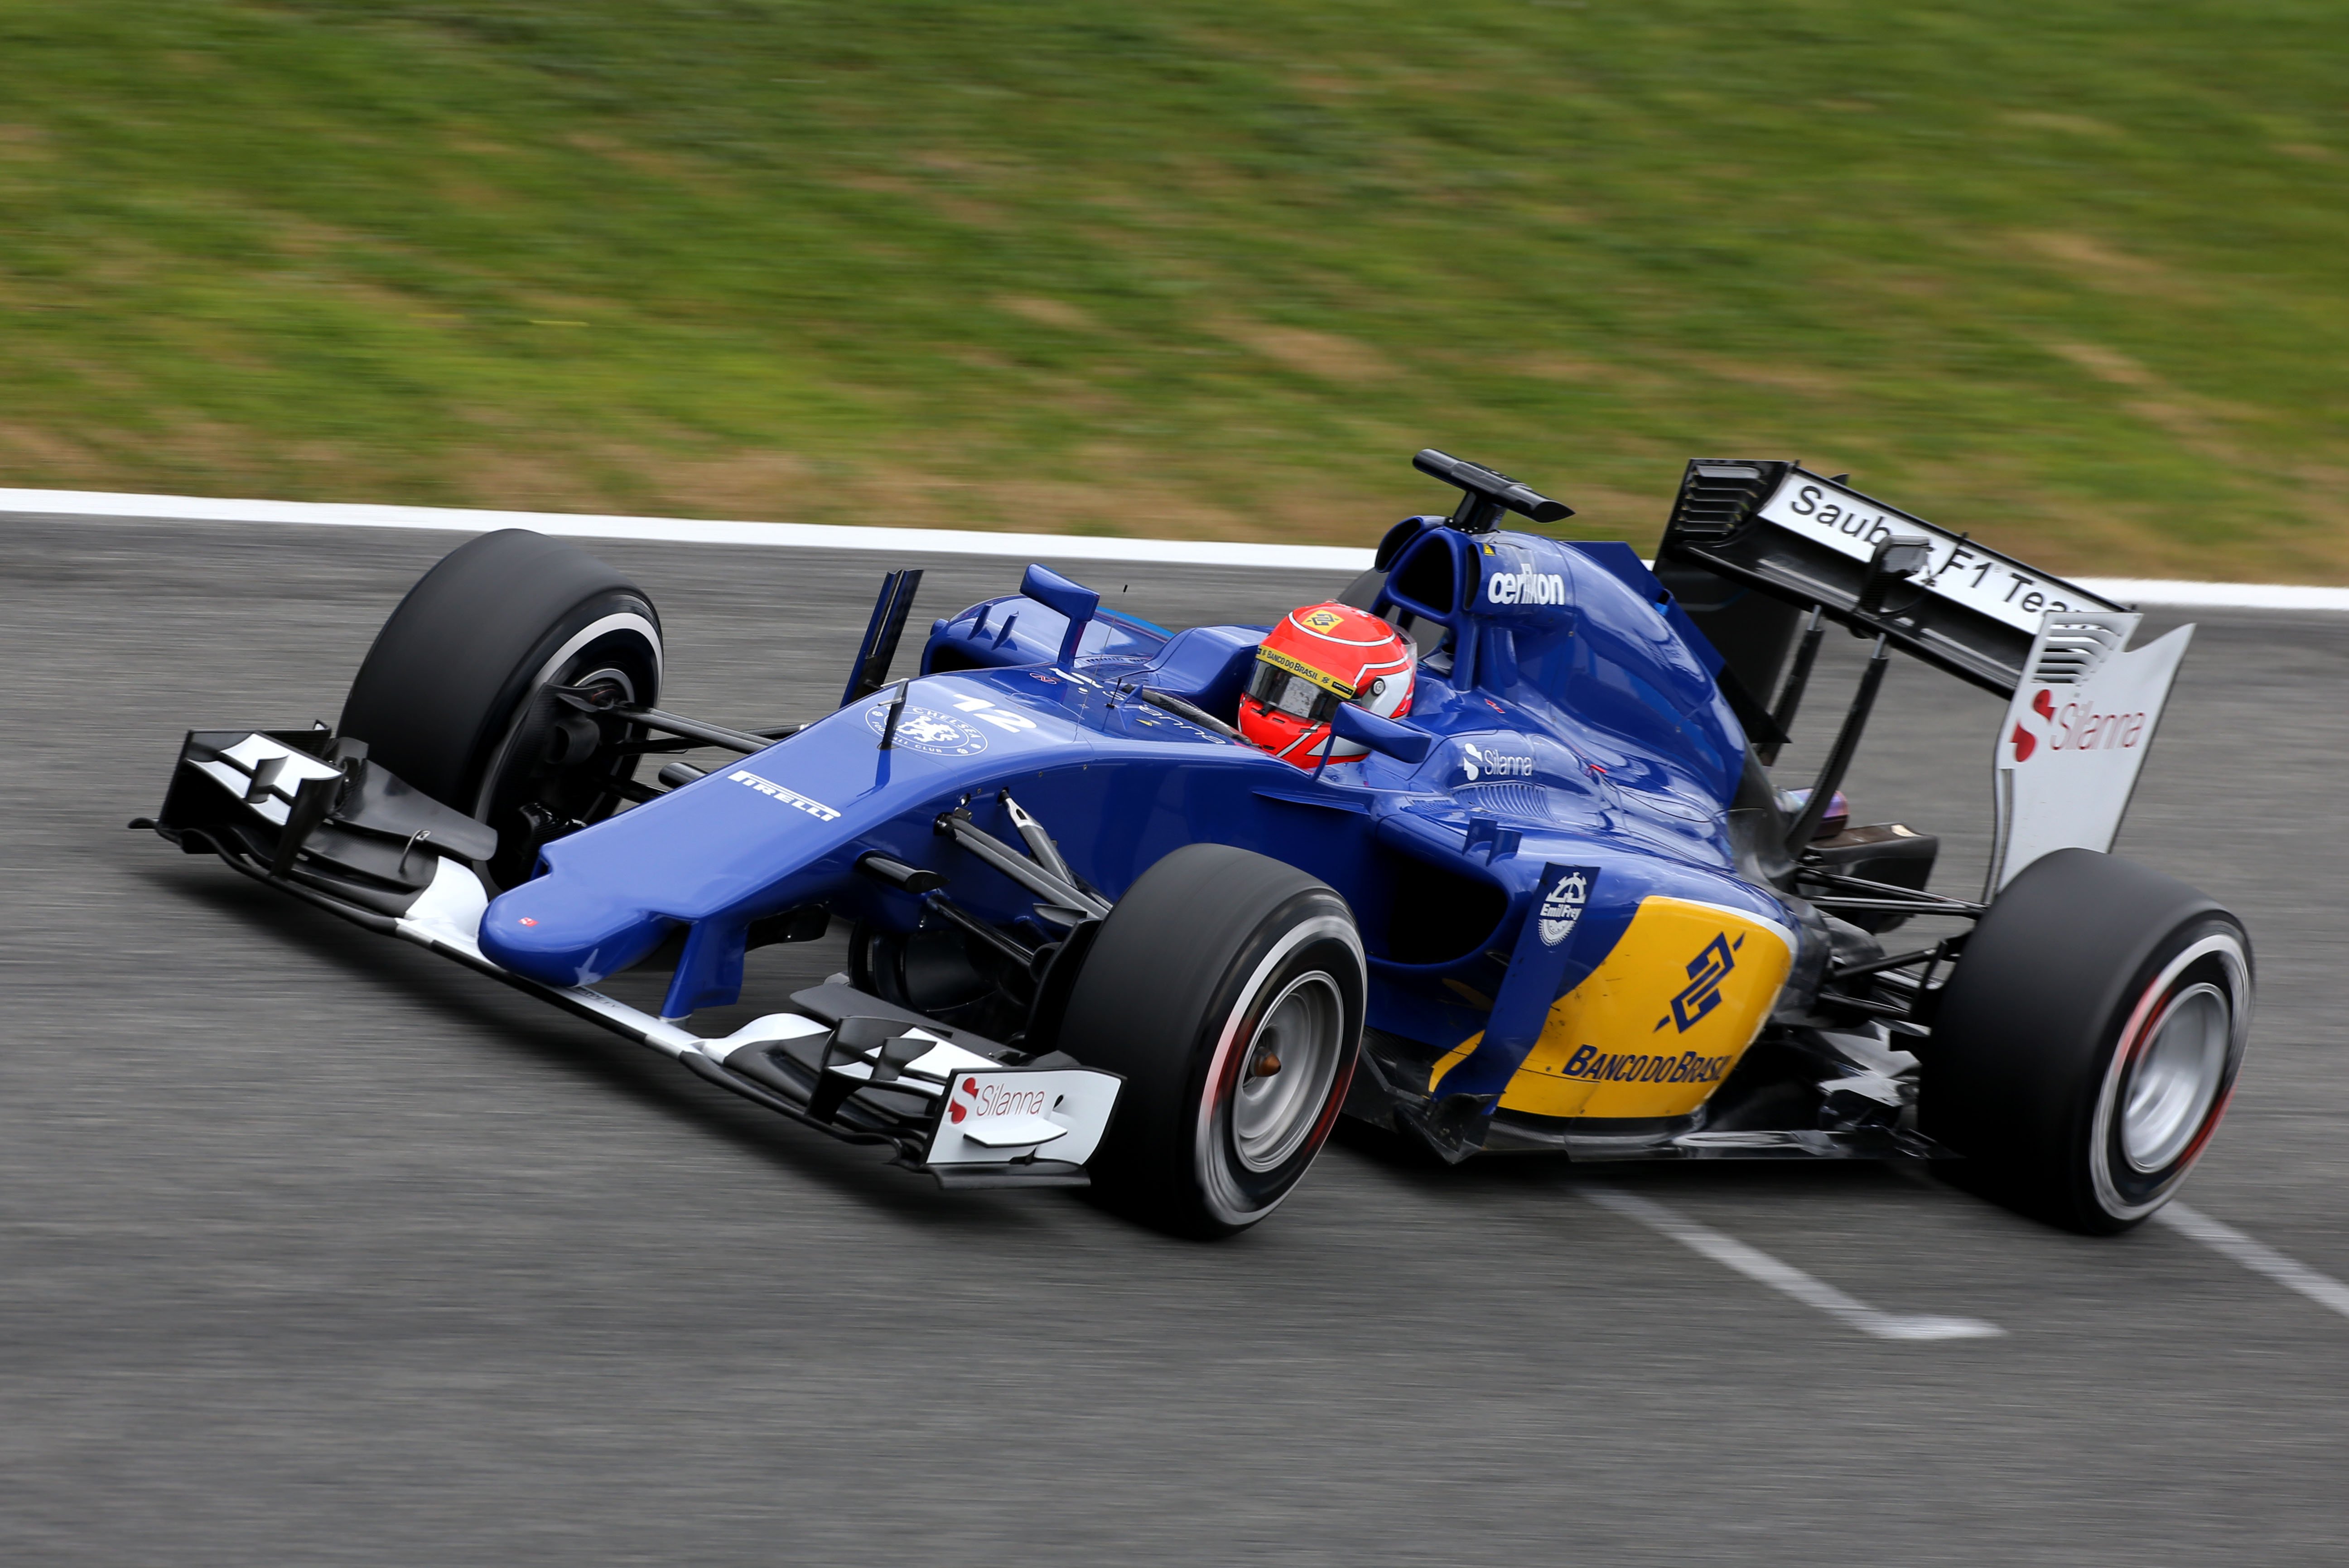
1230	989
2089	1041
453	698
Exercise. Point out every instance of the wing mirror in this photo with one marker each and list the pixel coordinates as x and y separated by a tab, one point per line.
1074	600
1403	742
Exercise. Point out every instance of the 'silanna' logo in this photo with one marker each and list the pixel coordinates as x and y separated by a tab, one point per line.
1476	761
2075	726
1705	971
973	1098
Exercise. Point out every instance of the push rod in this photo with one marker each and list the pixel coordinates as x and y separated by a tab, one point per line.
605	699
1879	966
1888	889
955	915
1863	1004
1018	868
741	741
1896	906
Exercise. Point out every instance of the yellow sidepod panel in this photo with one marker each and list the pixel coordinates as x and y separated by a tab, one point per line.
1655	1028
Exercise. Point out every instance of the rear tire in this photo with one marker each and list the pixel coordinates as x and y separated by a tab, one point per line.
1230	989
2089	1041
453	698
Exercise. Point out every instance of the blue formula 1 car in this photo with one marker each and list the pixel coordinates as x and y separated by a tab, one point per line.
1554	903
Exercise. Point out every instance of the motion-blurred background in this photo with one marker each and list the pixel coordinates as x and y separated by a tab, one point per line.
2066	272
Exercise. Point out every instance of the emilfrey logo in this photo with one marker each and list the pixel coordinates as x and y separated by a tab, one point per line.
1561	911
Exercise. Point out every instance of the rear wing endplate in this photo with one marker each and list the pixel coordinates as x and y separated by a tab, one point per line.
2074	736
1809	540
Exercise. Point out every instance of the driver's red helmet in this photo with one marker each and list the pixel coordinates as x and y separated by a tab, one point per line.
1316	658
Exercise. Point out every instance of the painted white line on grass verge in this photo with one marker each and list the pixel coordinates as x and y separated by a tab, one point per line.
2141	591
2256	1256
1764	1269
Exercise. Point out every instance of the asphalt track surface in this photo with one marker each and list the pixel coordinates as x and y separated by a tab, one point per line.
315	1249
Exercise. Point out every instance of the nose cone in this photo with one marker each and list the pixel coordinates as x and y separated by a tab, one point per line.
567	935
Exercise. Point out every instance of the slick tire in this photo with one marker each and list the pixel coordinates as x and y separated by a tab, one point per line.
2089	1040
1228	989
453	698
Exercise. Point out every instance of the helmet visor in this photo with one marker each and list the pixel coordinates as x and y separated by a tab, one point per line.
1294	695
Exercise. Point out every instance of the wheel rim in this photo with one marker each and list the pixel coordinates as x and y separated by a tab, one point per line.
620	650
580	656
1286	1072
2126	1190
2176	1077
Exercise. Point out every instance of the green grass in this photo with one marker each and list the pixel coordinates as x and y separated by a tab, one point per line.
2067	272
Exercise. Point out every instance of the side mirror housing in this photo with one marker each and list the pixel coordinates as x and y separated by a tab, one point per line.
1074	600
1403	742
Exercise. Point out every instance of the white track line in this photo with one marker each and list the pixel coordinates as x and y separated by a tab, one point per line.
681	530
2144	592
2256	1256
1764	1269
935	541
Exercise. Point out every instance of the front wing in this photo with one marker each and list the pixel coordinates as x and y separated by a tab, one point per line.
280	807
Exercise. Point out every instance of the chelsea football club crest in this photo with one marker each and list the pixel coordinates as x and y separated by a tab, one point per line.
1562	906
928	730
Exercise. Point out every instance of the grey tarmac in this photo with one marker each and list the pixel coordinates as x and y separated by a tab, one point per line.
316	1250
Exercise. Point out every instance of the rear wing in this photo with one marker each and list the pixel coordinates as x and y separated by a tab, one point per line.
1752	545
1809	540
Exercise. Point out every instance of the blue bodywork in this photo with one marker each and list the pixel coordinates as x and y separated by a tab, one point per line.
1576	722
